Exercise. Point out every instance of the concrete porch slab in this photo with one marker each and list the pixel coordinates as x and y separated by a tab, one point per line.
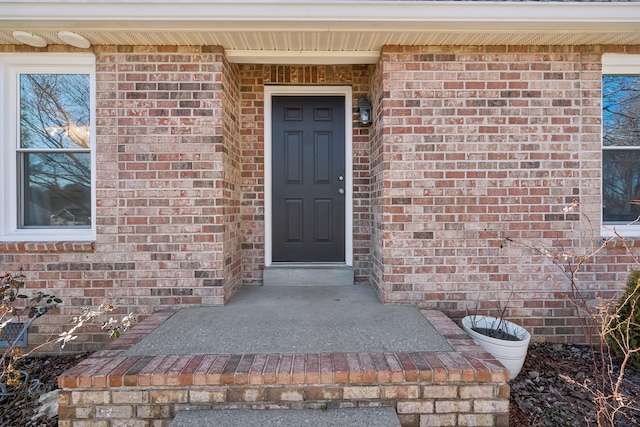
351	417
294	319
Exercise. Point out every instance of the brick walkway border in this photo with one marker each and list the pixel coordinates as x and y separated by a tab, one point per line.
460	388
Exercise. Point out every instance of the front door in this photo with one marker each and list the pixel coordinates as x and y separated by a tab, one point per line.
308	179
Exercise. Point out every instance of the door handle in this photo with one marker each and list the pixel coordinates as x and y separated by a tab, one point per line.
341	191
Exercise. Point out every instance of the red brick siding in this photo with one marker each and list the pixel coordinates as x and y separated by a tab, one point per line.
168	174
361	181
465	139
167	179
486	138
231	169
252	172
378	166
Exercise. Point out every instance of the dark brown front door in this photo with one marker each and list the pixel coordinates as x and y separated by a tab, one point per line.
308	195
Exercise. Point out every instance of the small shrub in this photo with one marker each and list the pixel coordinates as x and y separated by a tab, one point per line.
625	326
14	305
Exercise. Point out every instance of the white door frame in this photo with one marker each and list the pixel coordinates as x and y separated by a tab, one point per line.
269	93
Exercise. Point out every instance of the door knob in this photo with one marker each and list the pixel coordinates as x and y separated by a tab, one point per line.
341	191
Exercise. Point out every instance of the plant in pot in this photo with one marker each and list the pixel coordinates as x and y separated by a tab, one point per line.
504	340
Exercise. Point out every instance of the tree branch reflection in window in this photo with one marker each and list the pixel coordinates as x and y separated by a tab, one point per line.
54	152
621	148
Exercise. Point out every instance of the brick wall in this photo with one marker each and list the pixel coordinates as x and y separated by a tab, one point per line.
361	182
168	174
469	144
479	143
252	185
378	167
231	178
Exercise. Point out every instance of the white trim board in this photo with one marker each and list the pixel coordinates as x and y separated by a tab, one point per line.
269	93
620	63
304	58
201	13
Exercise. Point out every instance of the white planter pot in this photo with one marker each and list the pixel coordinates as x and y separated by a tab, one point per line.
510	353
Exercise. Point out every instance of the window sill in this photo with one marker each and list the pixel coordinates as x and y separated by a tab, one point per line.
623	230
46	247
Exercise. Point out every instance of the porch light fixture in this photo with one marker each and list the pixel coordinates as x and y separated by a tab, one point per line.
74	39
29	38
364	111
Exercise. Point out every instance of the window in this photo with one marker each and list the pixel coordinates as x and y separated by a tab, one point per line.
48	145
620	139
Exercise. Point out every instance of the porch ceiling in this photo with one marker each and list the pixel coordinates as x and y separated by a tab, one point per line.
251	29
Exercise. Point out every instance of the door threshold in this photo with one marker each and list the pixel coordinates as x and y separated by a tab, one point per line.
308	274
308	264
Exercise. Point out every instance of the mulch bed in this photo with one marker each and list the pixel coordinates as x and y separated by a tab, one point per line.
18	411
540	397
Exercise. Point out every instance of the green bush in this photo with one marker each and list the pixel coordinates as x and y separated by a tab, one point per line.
625	326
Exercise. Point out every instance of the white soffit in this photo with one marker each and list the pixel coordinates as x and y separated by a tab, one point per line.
292	30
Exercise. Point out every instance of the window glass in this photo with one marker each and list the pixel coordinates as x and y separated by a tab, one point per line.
57	189
54	159
621	148
54	110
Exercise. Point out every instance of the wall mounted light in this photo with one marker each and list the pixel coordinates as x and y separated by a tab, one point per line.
29	38
364	111
74	39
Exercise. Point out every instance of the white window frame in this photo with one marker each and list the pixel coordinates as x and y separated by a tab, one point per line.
11	66
618	64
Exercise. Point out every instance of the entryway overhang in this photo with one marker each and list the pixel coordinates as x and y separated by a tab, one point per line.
323	32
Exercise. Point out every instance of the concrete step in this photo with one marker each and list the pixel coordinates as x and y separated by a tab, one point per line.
352	417
303	274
